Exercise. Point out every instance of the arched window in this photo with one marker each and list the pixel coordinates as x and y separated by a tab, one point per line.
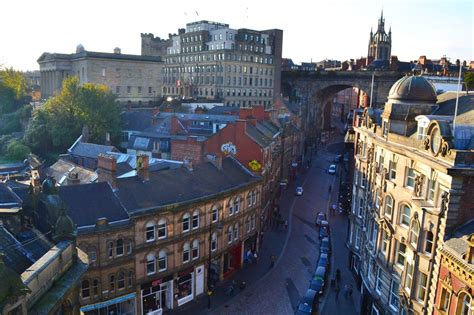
129	246
237	204
388	205
195	249
465	305
185	222
186	252
249	199
429	242
119	247
247	224
95	287
230	204
121	280
252	221
150	231
414	233
85	289
130	279
405	214
215	214
110	249
162	260
236	231
150	264
229	234
92	253
195	222
162	229
214	242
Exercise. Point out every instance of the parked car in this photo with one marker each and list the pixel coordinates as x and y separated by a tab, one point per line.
324	229
323	260
332	169
299	191
320	217
317	283
325	247
307	302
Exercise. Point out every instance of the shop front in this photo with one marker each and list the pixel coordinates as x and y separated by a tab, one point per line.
157	296
232	260
123	305
250	244
185	286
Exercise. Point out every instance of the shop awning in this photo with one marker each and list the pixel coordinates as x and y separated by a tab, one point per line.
108	303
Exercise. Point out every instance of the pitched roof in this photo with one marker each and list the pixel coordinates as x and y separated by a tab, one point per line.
172	186
9	201
136	120
224	110
447	105
257	136
89	202
90	150
457	241
60	170
16	256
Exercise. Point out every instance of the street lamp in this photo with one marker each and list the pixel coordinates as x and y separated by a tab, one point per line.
209	291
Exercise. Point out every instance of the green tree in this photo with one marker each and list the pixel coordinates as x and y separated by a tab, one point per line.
469	80
17	150
13	89
60	121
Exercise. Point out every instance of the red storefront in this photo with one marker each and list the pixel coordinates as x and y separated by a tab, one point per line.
232	259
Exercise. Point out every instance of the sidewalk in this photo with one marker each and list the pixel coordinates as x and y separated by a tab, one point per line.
273	244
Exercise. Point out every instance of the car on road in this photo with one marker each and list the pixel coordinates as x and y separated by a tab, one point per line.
320	217
338	158
317	282
325	247
323	260
324	229
299	191
332	169
307	303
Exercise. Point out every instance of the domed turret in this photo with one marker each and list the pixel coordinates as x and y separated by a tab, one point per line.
79	48
413	88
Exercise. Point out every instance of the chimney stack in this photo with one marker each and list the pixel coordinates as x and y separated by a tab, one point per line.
73	178
143	162
106	169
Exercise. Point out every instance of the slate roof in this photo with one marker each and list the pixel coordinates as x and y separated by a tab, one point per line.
62	168
447	105
136	120
257	136
9	201
224	110
90	150
16	256
86	203
101	55
457	241
172	186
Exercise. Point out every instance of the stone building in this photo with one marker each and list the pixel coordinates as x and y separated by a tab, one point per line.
455	281
210	60
155	237
134	79
380	44
411	187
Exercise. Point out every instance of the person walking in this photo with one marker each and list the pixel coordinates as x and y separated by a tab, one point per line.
338	276
346	291
350	290
272	261
329	189
255	257
336	288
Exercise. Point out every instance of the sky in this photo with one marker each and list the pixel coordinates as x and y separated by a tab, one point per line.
313	30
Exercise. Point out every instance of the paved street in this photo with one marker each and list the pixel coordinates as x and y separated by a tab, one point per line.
278	290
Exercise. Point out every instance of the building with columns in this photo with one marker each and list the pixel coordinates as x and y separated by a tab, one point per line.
380	43
134	79
210	60
412	186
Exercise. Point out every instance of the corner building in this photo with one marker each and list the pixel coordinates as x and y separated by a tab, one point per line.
411	187
213	61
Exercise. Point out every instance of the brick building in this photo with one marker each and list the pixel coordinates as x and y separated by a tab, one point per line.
454	294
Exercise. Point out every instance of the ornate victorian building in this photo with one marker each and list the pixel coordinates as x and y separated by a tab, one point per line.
411	187
380	44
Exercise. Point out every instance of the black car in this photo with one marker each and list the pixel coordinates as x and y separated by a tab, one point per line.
324	229
307	302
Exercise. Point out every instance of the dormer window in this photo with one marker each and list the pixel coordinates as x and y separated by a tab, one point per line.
421	132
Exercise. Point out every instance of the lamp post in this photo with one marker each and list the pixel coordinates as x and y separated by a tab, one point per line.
209	291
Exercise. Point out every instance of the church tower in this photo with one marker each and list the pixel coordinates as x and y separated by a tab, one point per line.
380	44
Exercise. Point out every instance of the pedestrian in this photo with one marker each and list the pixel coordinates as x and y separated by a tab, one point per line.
350	290
346	291
255	257
336	288
286	225
338	276
329	189
249	256
272	261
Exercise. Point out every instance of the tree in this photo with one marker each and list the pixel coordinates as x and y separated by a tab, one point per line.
13	89
469	80
17	150
60	121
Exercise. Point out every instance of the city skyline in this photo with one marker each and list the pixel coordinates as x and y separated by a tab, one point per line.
335	26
